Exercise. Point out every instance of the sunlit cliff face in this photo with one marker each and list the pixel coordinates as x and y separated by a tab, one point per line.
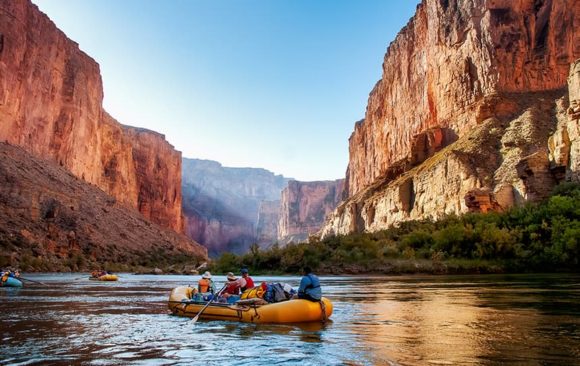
463	116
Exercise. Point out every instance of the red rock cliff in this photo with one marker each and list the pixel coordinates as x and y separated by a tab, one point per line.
51	220
51	104
446	66
304	206
462	118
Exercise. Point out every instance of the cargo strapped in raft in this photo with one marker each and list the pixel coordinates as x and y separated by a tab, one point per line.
251	310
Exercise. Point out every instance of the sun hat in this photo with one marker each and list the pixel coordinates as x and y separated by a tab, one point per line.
206	275
231	277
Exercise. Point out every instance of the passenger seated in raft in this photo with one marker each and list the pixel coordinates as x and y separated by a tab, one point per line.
249	281
233	288
309	286
99	273
205	288
9	273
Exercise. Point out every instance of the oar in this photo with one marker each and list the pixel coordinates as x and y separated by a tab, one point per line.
208	303
26	279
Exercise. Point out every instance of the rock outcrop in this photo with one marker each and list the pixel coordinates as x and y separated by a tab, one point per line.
565	143
51	220
460	121
221	205
51	105
448	67
304	206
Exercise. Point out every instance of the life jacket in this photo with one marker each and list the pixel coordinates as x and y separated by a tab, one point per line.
232	288
204	285
252	293
249	283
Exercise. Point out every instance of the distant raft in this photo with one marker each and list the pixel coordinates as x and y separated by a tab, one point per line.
108	277
11	282
291	311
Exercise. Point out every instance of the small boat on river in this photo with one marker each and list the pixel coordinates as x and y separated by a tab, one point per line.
107	277
10	282
291	311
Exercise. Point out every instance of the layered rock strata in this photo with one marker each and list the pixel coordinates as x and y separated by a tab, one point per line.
304	206
448	68
490	78
51	105
51	220
221	205
565	143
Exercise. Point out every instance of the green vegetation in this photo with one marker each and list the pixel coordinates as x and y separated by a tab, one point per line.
536	237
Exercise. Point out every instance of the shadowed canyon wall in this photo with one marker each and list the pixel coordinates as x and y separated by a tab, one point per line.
304	206
461	120
51	105
51	220
221	205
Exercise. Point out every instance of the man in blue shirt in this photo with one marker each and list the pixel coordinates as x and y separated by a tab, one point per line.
309	286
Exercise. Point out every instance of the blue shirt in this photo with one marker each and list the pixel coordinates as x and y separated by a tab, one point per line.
310	285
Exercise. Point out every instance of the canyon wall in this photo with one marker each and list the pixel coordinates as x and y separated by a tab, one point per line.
51	105
50	220
447	66
267	227
304	206
221	205
462	118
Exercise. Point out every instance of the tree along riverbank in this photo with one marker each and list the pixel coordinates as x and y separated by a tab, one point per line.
543	237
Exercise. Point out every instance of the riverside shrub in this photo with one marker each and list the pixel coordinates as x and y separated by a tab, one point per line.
534	237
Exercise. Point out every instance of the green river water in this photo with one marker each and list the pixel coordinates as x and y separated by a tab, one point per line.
406	320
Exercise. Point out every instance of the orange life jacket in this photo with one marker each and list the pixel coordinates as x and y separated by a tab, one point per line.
203	285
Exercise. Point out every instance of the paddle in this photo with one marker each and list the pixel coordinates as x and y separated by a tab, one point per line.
208	303
26	279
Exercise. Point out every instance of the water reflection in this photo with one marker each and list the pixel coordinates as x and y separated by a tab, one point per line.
417	320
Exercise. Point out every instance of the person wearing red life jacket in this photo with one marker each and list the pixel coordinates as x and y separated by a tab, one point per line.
249	282
233	286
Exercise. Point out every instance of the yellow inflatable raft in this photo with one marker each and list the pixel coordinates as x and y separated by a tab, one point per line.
292	311
109	277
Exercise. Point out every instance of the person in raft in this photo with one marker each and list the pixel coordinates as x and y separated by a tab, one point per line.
309	286
233	288
249	282
205	285
9	273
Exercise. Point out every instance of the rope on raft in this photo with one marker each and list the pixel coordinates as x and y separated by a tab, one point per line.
323	308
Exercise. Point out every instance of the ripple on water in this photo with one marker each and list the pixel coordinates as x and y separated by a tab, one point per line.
415	320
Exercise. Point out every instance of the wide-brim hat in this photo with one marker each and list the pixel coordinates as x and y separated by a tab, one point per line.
231	277
206	275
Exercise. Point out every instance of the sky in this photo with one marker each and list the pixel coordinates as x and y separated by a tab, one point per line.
274	84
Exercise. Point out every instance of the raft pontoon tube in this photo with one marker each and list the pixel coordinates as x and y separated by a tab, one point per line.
11	282
291	311
109	277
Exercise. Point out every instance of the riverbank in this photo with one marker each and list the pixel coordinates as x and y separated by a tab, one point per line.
540	238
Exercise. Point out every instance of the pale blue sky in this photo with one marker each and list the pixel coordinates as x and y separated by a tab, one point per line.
274	84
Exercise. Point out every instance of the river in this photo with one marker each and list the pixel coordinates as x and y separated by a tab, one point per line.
404	320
